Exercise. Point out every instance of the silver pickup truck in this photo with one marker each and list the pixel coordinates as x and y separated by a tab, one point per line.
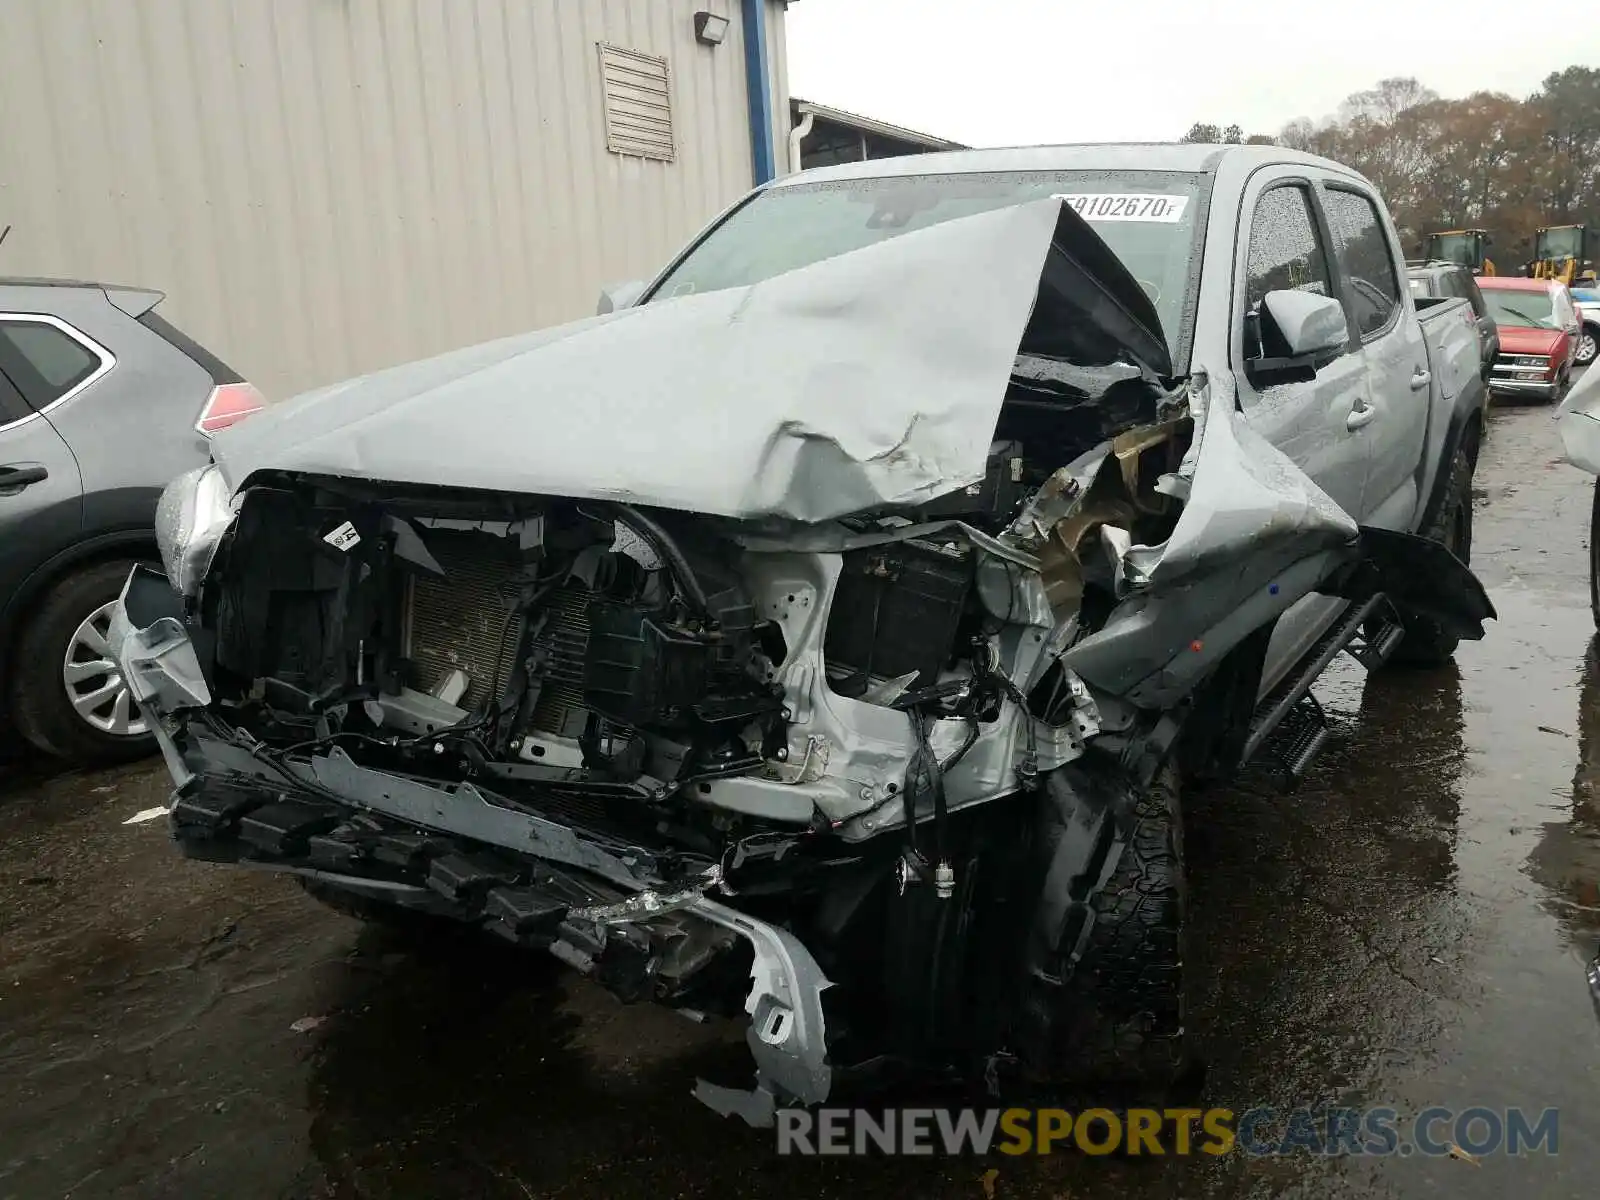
826	633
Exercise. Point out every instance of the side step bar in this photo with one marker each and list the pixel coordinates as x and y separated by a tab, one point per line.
1289	721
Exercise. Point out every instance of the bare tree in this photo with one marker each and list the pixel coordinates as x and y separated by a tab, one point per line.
1487	161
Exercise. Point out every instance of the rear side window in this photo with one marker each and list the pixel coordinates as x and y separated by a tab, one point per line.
1474	296
1363	251
43	362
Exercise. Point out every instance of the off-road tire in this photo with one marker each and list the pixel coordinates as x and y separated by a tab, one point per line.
1426	644
39	702
1116	1018
1594	556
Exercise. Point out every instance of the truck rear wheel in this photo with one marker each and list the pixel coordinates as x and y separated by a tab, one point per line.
1426	643
1115	1015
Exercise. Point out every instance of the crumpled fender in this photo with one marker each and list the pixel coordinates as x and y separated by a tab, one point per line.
1256	534
1421	576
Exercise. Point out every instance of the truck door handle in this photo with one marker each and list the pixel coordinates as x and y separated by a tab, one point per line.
17	478
1420	379
1360	415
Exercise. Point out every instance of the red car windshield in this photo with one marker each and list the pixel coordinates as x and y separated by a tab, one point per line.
1527	309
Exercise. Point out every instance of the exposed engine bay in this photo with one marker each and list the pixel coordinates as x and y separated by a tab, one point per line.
693	674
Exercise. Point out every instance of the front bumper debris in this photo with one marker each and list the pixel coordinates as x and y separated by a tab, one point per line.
614	910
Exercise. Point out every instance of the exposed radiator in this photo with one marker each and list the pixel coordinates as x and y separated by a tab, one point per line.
460	621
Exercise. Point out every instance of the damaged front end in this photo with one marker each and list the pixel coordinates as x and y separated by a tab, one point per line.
704	735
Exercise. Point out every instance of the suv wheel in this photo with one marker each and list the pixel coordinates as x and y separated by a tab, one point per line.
69	697
1587	345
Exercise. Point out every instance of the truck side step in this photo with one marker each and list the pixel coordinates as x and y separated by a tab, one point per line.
1298	739
1289	721
1372	648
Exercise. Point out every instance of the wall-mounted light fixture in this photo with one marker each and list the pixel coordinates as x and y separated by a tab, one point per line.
710	29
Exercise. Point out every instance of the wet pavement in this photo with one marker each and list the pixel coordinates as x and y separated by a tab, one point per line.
1409	929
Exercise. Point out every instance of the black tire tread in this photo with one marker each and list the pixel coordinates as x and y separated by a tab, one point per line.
1118	1017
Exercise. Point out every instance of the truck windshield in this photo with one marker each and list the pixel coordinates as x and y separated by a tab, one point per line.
1148	218
1524	309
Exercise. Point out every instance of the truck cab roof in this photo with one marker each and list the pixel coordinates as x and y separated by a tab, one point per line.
1195	158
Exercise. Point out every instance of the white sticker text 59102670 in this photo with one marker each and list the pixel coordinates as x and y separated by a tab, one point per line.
1126	206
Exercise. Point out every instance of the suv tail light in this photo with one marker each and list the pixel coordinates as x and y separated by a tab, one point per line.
228	404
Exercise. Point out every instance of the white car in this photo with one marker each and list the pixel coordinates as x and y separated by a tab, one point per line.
1588	301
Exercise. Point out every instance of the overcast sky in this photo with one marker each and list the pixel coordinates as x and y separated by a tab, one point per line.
1008	72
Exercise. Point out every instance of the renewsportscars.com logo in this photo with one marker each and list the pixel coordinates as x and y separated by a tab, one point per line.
1434	1132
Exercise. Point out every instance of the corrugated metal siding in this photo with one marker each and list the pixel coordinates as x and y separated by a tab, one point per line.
324	187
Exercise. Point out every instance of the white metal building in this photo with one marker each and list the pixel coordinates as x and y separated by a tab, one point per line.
324	187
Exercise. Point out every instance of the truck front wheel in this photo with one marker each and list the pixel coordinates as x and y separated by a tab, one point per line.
1102	988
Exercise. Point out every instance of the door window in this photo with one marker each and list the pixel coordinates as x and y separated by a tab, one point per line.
43	362
1285	253
12	406
1363	250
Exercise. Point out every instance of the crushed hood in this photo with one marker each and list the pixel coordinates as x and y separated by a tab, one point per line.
872	378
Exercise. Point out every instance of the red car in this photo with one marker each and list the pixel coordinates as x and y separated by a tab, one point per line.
1538	335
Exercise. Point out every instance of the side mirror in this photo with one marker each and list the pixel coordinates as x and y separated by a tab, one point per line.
1311	325
619	296
1300	332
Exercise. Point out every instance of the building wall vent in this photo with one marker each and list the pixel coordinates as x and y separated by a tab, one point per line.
638	103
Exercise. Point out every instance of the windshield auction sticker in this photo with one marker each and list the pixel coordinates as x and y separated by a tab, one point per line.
1125	206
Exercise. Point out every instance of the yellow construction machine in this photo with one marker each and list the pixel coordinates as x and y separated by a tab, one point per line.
1469	247
1564	253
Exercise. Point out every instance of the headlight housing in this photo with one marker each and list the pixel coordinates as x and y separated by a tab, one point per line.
193	514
